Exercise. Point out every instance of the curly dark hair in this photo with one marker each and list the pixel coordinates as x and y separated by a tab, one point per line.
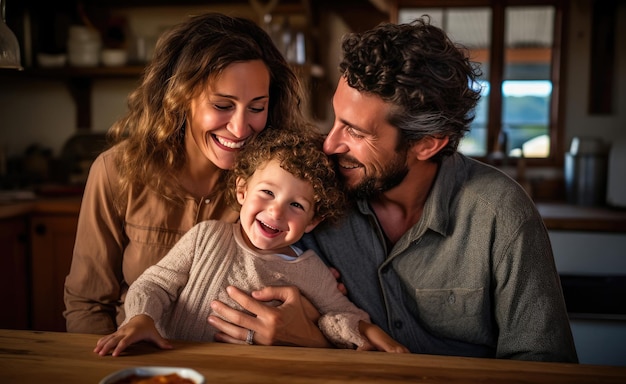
428	78
300	153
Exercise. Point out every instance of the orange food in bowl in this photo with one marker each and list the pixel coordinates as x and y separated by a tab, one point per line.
172	378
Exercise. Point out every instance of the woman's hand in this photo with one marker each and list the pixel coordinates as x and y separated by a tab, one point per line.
294	322
139	328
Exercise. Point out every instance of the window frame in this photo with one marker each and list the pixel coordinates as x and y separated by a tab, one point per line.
497	65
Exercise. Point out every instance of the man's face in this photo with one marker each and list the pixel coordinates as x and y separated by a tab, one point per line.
370	158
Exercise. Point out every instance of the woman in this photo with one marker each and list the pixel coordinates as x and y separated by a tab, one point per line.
214	83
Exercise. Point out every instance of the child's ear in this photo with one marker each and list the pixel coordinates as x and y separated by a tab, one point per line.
316	220
241	190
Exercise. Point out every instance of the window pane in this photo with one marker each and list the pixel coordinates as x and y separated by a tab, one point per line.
475	141
527	89
470	27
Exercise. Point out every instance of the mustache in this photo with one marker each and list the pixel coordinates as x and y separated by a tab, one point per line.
346	159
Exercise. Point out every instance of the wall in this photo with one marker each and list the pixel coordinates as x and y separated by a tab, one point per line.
577	121
35	111
43	112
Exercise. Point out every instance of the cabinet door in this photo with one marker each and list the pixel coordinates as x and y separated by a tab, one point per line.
14	291
52	246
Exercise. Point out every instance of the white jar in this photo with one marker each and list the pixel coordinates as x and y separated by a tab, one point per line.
83	46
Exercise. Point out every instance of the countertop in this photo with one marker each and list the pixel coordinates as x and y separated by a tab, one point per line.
556	215
562	216
40	205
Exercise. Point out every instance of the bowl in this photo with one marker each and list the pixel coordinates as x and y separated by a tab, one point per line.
145	372
47	60
113	57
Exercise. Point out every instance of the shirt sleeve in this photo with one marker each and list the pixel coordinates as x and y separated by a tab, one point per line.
529	307
93	285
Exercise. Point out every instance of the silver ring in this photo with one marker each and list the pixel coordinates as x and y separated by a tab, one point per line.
249	337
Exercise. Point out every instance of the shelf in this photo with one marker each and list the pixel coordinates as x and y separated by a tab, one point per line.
83	72
79	81
45	29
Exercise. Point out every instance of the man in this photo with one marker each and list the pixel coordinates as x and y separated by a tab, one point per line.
446	254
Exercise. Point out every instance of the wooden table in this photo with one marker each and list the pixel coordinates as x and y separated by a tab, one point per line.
49	357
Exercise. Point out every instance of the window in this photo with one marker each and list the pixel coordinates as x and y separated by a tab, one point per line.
517	44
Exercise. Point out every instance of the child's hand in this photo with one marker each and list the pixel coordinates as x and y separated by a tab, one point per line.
392	347
385	345
379	340
139	328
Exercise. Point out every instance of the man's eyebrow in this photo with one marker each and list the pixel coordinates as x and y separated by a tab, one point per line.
351	125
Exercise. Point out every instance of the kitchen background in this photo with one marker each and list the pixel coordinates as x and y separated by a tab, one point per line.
47	122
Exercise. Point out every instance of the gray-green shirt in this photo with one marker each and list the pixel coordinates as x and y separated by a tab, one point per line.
474	277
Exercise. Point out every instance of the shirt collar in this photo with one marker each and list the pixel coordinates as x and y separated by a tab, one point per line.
449	180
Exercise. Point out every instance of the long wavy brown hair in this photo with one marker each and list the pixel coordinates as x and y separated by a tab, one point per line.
187	58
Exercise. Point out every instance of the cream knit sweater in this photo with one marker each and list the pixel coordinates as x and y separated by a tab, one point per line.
177	291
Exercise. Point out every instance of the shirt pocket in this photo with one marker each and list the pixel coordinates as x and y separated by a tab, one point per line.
456	313
158	237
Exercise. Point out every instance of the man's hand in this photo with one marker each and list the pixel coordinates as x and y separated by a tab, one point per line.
294	322
340	286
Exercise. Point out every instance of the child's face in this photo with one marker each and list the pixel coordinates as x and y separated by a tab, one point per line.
277	208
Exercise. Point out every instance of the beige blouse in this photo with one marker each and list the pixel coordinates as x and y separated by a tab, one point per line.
113	248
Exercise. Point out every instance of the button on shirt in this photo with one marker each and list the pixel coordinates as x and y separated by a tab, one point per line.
474	277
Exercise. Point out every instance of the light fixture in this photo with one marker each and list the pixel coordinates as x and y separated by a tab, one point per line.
9	47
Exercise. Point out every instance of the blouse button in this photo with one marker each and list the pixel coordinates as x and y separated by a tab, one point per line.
207	201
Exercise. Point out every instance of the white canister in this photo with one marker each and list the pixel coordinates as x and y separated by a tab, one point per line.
83	46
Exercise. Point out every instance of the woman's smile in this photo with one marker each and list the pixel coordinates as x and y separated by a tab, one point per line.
228	144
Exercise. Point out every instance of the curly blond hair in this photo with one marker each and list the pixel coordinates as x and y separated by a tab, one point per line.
300	153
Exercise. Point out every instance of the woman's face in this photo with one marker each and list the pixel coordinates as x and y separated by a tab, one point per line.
226	114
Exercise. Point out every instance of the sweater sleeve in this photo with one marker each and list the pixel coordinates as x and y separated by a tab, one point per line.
159	286
339	320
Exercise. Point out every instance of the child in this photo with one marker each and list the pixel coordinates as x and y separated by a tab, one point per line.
285	185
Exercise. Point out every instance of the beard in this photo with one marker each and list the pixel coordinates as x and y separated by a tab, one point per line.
390	176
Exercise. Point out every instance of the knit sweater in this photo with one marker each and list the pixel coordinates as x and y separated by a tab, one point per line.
177	291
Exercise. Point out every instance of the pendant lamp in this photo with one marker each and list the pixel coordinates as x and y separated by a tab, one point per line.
9	47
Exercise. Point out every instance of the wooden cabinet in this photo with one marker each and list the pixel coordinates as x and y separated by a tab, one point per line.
52	242
37	244
14	281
